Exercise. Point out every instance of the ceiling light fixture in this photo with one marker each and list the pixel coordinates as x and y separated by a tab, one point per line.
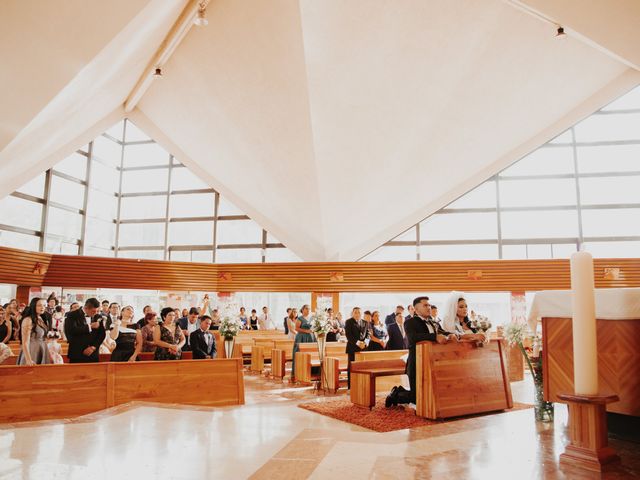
560	34
158	72
201	17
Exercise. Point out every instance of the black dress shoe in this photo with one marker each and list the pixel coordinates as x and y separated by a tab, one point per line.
391	398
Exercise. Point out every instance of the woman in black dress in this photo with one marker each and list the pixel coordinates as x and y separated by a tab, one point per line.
5	327
168	336
253	320
377	333
127	336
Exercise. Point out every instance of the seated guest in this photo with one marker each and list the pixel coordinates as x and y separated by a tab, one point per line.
145	310
397	336
5	327
357	333
377	333
85	333
34	349
168	336
391	318
127	336
189	325
253	320
456	319
203	342
150	321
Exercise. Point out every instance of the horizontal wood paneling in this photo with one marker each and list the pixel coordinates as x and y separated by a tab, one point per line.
489	275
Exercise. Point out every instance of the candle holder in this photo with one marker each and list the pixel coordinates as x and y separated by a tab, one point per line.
588	447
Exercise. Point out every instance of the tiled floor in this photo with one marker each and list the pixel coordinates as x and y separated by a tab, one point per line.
270	437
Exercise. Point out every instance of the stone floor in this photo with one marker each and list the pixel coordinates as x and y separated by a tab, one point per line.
270	437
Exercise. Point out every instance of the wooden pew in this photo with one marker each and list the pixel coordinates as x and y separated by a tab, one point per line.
263	350
385	383
307	357
66	391
364	374
461	379
280	355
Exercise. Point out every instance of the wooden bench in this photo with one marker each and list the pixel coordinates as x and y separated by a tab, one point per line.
385	384
307	357
106	357
364	375
66	391
263	350
280	355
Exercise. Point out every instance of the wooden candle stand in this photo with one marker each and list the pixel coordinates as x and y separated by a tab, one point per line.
588	448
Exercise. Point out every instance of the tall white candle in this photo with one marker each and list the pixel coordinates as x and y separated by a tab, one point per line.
585	347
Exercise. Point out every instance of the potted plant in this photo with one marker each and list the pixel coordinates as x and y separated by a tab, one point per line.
229	328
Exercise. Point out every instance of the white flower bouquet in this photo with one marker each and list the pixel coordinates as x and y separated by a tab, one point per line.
320	324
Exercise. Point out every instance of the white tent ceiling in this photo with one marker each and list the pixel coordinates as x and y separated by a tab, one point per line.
335	125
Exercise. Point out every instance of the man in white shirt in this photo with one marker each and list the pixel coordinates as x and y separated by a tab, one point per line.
265	322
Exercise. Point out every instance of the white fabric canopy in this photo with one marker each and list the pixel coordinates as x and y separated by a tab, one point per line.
611	304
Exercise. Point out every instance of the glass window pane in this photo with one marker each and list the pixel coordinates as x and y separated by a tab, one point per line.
191	233
537	193
64	223
607	190
628	101
134	134
143	207
393	254
53	245
459	252
17	212
483	196
272	239
460	226
180	256
139	181
74	165
203	256
183	179
225	207
564	137
19	240
408	236
238	232
35	187
609	158
543	161
147	234
101	205
610	223
239	255
143	254
597	128
554	224
613	249
99	233
564	250
145	155
281	255
538	251
192	205
107	150
67	192
116	130
98	252
104	178
514	252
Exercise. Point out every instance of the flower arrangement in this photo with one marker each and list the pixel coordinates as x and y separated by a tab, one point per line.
229	326
481	323
320	324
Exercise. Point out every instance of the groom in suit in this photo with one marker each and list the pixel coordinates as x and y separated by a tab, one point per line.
357	331
85	332
202	341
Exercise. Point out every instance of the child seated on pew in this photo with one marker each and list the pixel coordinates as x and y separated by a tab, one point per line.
54	347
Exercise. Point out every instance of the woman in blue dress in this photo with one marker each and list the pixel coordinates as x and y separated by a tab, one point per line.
304	335
378	336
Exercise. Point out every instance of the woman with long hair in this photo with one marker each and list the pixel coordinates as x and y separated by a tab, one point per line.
127	336
378	336
168	336
34	329
5	327
291	323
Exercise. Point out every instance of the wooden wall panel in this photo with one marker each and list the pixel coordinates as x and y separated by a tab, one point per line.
489	275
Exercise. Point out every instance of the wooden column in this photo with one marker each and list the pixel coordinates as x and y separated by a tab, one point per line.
22	294
588	447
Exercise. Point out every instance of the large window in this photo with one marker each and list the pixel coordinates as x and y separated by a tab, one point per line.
580	190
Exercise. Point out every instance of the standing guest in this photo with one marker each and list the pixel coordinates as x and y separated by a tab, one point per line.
203	343
412	312
286	322
55	351
57	319
334	327
105	308
150	320
127	336
11	312
391	318
243	318
74	306
397	335
168	337
265	321
434	315
253	320
85	333
52	302
189	325
178	312
34	349
5	327
291	322
113	315
303	335
357	333
146	309
215	320
185	312
377	333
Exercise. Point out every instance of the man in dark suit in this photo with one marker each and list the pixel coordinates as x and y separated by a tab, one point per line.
420	328
188	325
85	332
141	323
202	341
357	331
391	318
397	336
